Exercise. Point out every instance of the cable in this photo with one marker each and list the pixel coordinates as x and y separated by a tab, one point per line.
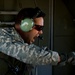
19	3
35	3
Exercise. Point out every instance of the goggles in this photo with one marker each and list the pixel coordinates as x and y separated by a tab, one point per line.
38	27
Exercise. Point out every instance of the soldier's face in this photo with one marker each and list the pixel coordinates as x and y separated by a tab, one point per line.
30	36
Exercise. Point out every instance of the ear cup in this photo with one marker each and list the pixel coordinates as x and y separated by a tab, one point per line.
27	24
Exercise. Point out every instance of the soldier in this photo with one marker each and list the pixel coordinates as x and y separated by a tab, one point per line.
18	41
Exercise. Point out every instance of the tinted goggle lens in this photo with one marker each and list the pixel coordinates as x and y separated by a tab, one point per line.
38	27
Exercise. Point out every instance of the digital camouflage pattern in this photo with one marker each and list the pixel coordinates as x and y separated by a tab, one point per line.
13	45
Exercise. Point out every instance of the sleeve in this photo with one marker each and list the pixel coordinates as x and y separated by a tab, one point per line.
30	54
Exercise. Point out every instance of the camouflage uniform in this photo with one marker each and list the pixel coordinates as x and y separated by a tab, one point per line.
13	45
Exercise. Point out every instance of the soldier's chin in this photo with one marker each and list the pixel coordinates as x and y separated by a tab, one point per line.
32	41
29	42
